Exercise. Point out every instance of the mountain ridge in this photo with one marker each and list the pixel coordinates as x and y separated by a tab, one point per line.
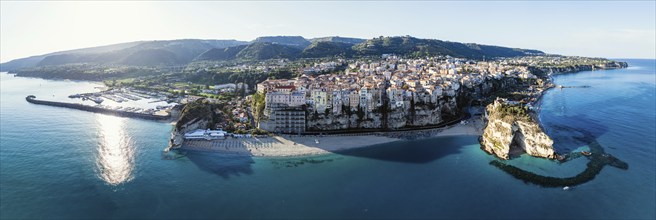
185	51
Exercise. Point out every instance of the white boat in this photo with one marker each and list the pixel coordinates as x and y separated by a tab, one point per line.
566	188
316	141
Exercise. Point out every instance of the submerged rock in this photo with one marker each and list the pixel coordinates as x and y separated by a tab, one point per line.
511	129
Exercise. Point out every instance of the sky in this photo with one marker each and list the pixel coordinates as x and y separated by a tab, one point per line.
609	29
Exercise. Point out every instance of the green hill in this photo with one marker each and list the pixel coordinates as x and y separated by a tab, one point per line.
346	40
221	53
327	49
170	52
152	57
295	41
411	46
265	50
185	51
33	61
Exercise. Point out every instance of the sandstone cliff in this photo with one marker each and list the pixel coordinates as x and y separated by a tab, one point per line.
510	130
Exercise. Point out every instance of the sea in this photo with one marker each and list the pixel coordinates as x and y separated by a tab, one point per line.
70	164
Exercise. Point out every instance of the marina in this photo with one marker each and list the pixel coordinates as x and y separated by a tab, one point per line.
123	95
118	111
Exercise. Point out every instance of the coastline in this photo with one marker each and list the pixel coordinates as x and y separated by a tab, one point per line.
306	145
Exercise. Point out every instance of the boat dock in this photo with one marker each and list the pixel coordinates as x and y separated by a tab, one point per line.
32	99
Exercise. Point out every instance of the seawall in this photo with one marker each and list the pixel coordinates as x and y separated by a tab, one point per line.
32	99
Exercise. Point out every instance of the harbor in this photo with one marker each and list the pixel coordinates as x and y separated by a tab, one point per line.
117	111
127	97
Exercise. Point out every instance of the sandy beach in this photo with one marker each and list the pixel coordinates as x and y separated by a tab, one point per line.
294	145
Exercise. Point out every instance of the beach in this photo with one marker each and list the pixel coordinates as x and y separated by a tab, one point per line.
304	145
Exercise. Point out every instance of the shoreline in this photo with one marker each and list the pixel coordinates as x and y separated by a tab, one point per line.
314	145
310	145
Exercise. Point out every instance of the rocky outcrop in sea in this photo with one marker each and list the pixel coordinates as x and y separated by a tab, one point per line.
511	130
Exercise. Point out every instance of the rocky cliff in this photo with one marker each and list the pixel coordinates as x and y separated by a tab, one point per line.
421	110
511	130
579	67
411	114
194	115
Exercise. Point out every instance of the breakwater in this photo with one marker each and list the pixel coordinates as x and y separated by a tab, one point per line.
598	159
32	99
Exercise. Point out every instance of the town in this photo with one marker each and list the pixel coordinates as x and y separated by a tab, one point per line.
398	87
397	96
339	95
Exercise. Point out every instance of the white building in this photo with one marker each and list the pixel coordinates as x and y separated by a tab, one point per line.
205	134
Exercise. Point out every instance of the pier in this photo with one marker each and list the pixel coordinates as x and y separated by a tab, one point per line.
565	87
32	99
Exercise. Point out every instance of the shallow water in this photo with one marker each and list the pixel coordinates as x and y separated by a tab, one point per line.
64	163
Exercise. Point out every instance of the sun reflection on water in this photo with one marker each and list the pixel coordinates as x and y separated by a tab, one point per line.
115	159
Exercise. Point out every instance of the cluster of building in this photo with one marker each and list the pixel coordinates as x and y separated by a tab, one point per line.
564	63
323	67
264	66
369	85
228	87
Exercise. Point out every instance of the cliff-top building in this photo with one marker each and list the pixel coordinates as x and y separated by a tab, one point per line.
369	86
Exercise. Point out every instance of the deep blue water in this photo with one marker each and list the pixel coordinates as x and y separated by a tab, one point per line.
63	163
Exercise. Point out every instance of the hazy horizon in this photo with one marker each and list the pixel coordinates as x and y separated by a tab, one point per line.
593	29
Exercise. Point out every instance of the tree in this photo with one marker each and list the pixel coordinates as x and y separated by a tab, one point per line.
258	105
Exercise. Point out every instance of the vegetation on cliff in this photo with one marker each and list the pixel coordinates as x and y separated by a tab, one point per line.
510	113
193	112
257	105
215	114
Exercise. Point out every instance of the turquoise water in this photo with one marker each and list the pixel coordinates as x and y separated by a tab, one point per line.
63	163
